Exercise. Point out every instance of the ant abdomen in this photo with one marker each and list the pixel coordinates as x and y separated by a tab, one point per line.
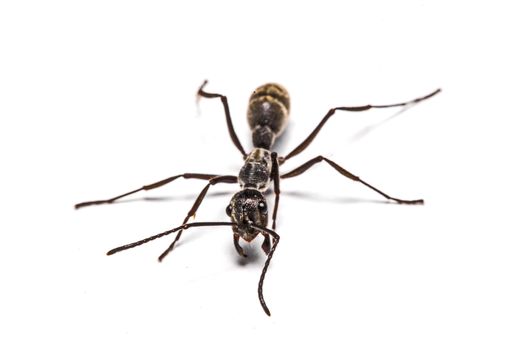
268	114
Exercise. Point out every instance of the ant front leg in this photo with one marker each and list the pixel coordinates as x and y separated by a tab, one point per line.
215	180
147	188
301	169
332	111
224	101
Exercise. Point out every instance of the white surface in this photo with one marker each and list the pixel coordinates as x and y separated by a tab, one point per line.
99	98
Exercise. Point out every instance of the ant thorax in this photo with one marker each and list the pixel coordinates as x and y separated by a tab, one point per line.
256	171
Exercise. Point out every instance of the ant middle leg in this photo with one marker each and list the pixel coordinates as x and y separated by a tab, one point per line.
224	101
332	111
147	188
301	169
215	180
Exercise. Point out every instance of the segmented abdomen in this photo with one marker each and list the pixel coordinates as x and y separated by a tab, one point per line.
268	113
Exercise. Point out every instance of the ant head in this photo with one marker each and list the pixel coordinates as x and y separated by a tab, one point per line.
248	207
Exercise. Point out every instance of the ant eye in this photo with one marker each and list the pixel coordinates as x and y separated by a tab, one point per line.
229	210
262	206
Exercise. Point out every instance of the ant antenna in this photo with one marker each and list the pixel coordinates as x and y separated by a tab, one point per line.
272	233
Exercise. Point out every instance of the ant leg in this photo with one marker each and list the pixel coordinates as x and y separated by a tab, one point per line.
331	112
147	188
217	179
224	101
301	169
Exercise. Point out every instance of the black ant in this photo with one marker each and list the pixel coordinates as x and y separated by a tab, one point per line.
268	111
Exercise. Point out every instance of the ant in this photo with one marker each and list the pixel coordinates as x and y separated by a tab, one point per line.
268	111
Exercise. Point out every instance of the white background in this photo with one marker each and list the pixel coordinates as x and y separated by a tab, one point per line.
98	98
